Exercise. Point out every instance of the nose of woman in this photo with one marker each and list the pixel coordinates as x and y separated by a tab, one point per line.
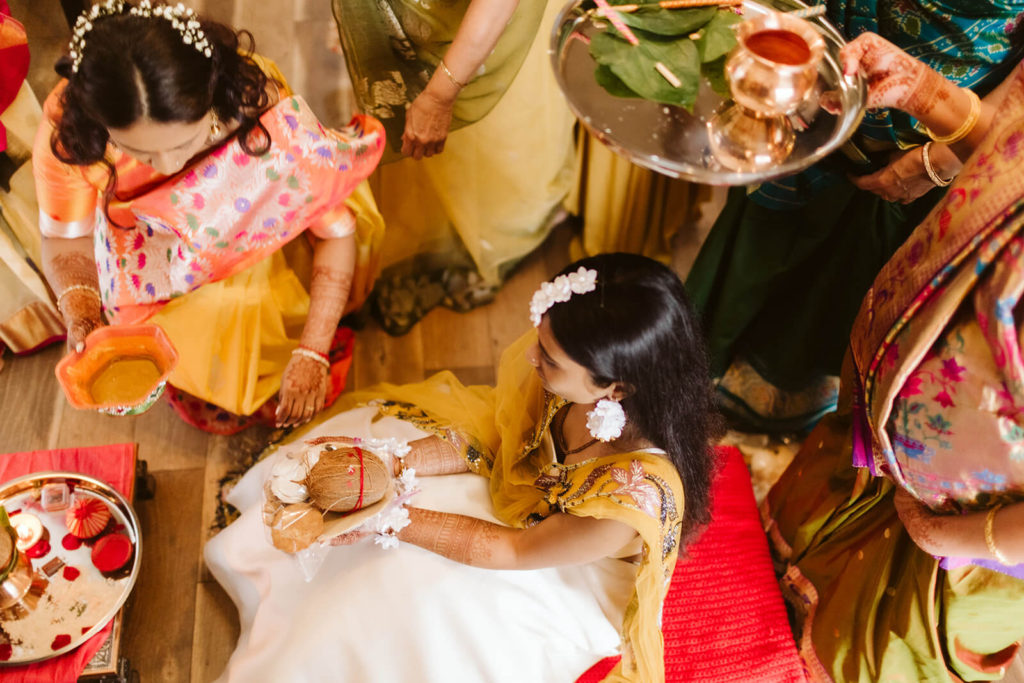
533	355
166	163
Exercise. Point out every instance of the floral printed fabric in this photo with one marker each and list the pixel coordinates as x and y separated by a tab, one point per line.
230	210
937	348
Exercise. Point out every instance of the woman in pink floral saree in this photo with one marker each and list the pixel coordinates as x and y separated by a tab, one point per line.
911	567
173	176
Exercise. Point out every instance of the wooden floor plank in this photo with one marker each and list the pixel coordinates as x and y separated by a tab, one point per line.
161	621
453	339
29	394
379	357
181	446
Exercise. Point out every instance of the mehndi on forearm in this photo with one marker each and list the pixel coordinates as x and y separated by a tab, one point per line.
71	268
328	294
433	455
460	538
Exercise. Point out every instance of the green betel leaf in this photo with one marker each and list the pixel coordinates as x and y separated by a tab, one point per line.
717	38
668	22
607	79
635	66
715	73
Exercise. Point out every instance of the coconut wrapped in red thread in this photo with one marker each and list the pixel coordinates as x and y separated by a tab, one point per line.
345	478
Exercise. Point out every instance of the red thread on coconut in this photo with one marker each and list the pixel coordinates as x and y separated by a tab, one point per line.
362	478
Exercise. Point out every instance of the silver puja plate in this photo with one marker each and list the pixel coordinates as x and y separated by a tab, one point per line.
45	623
671	140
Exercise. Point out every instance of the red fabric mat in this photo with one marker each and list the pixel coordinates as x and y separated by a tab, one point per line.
112	464
723	619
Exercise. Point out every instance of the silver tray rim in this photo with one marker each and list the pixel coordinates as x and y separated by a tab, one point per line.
23	483
853	93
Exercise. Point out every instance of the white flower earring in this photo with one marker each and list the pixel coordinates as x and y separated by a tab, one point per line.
606	420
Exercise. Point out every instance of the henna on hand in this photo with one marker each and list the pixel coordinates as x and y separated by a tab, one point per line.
895	79
433	455
303	391
460	538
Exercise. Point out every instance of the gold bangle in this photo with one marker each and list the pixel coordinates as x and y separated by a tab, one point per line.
990	539
930	170
966	127
76	288
451	77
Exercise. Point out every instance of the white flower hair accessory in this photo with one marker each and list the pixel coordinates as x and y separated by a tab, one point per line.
606	420
183	19
560	290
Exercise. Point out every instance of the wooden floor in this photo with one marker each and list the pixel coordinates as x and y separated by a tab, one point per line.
181	625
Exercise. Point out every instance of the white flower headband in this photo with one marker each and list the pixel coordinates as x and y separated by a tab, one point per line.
183	19
559	290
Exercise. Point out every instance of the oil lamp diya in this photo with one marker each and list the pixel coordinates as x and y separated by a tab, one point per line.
15	569
772	70
122	370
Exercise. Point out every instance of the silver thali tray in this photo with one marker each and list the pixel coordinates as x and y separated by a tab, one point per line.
672	141
46	623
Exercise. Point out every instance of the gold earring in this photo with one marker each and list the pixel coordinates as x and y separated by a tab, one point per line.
214	126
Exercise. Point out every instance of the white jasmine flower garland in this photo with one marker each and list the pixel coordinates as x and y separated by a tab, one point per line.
560	290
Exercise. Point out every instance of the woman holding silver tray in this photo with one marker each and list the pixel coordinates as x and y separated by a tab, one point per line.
781	275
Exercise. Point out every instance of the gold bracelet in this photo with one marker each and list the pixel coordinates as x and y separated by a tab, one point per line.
312	355
990	539
76	288
930	170
451	77
966	127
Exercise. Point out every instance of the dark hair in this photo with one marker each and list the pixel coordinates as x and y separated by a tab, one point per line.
638	328
136	68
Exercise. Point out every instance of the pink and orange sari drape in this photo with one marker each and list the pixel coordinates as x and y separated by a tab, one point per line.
210	253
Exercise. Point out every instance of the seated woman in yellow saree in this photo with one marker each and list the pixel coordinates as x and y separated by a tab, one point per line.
593	446
912	566
173	178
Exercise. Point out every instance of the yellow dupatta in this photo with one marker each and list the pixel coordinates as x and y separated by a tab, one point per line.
499	430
